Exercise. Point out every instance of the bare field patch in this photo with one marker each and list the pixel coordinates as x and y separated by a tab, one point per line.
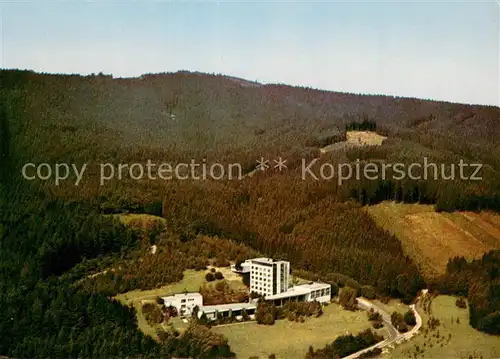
365	138
440	238
431	238
355	139
488	222
139	220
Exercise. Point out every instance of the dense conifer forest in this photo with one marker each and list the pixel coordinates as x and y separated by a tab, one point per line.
53	235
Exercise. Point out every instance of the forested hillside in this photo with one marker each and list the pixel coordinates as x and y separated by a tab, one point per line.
47	229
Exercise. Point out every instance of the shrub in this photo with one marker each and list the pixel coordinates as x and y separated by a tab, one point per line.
460	303
371	353
223	286
409	318
160	301
171	311
152	313
209	277
219	275
148	308
334	289
368	292
266	313
246	279
199	265
398	321
348	299
238	264
297	310
374	316
244	315
254	295
203	319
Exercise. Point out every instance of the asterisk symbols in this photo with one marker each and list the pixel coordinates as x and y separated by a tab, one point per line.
263	164
280	164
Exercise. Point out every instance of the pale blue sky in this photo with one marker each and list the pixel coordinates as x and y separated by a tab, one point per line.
446	51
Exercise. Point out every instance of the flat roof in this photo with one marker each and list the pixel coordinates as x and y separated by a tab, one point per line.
245	267
264	260
291	292
226	307
315	285
299	290
182	295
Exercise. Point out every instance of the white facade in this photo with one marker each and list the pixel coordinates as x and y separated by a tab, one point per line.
184	303
267	276
320	292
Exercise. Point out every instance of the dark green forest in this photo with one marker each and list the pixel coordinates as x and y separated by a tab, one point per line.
52	236
479	281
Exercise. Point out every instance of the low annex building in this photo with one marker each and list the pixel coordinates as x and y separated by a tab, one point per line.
184	302
309	292
228	310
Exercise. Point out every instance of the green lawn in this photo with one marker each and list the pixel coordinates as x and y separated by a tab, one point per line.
464	342
290	340
191	282
138	218
431	238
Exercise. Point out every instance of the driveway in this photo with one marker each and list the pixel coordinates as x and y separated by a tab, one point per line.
394	335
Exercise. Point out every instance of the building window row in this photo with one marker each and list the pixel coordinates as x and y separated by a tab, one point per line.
320	293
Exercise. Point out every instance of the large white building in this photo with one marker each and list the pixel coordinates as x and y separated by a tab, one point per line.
267	276
270	278
184	302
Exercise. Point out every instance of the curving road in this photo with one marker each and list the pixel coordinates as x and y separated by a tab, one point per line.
394	335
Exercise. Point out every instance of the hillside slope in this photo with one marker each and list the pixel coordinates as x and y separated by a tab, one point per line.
432	238
184	116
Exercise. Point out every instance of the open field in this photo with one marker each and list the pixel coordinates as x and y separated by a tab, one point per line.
139	220
191	282
354	139
431	238
227	273
465	342
290	340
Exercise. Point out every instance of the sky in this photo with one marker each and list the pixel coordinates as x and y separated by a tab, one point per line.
444	51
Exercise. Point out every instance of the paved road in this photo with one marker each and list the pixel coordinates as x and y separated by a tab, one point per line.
394	335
